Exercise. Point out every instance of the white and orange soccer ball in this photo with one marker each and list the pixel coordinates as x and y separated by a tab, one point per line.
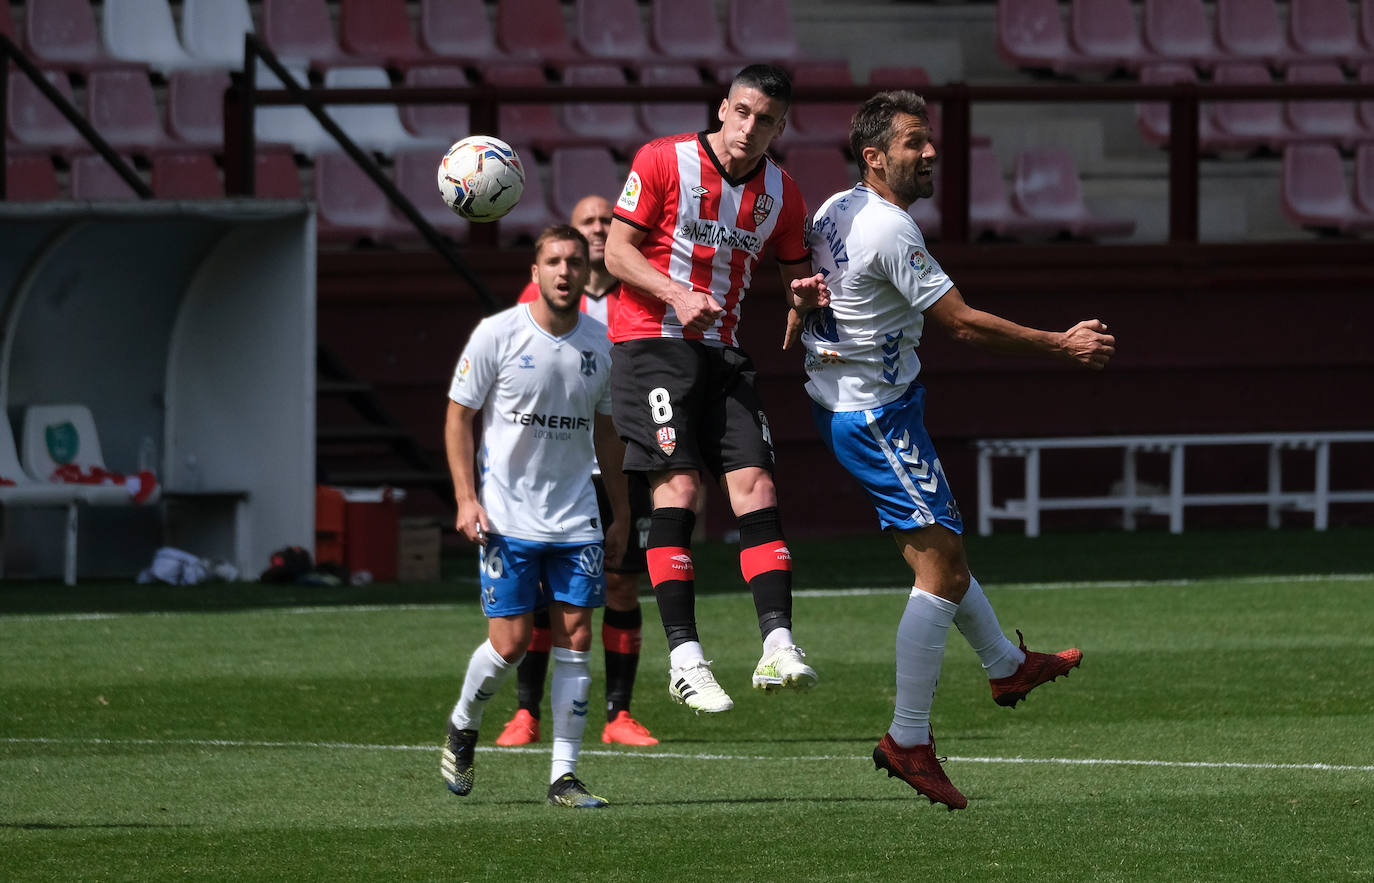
481	178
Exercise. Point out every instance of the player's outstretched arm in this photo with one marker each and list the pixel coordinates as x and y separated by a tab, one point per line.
610	453
694	309
461	447
805	292
1086	343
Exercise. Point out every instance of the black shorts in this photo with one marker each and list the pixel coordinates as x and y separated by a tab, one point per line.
686	405
641	516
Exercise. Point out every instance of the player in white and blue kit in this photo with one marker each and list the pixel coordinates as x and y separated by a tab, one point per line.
539	376
862	367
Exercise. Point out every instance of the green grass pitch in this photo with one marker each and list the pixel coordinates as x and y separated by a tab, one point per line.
1220	728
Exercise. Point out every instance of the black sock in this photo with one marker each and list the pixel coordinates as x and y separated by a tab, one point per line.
621	635
766	564
669	556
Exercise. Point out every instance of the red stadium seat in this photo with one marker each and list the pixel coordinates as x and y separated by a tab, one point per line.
1107	30
531	214
926	214
1180	31
990	209
378	32
349	204
62	33
820	172
534	31
415	175
275	174
7	25
186	175
195	106
34	122
121	106
458	30
1046	187
576	172
687	30
1257	123
1314	192
1364	179
1367	28
614	125
611	30
761	30
299	31
1323	29
92	178
30	178
818	122
1249	30
1365	112
1031	34
1332	121
444	121
660	118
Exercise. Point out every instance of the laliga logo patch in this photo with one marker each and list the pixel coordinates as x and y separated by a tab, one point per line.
919	263
464	366
667	440
629	197
763	207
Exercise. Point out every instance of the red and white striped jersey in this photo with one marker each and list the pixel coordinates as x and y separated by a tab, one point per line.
705	231
602	308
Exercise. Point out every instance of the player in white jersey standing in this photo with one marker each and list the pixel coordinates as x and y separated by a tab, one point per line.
696	213
862	365
539	375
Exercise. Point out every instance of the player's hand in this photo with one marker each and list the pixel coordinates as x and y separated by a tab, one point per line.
796	321
617	538
1089	344
472	522
810	292
695	309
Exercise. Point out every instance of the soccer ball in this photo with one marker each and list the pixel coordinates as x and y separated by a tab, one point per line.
481	178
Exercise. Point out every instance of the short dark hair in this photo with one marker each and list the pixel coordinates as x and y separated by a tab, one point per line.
769	79
561	233
871	125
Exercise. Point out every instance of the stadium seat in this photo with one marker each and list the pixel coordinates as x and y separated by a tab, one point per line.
62	33
1365	111
290	124
536	124
1180	31
299	32
1031	34
195	106
688	31
142	31
1323	29
575	172
212	31
93	179
186	175
611	30
1107	30
458	30
7	27
990	208
414	176
1364	178
349	204
926	214
660	118
761	30
1314	193
1367	28
30	178
912	77
41	462
1332	121
1046	187
614	125
373	126
445	122
531	214
1249	30
378	32
818	122
32	121
534	31
1254	123
1152	118
820	172
120	104
275	174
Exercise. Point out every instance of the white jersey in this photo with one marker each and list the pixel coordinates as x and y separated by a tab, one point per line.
539	396
861	350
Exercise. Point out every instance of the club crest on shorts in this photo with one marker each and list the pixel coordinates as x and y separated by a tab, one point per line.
667	440
763	207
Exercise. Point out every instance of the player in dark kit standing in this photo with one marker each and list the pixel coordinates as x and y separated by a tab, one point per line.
622	620
696	213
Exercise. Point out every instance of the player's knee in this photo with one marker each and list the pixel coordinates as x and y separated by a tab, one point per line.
622	591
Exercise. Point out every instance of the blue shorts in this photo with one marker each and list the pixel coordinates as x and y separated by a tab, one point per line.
519	576
889	451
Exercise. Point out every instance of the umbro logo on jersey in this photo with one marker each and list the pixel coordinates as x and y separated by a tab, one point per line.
527	361
699	191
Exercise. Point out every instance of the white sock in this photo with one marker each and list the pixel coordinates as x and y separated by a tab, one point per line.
779	637
977	621
572	680
486	672
686	654
920	651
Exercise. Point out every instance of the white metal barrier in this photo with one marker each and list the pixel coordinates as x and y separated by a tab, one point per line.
1131	501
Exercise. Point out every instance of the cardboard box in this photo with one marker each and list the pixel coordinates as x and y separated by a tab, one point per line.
418	551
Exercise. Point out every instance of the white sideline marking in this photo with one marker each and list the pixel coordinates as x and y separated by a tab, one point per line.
674	755
648	598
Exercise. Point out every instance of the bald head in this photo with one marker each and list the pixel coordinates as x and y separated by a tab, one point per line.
592	218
